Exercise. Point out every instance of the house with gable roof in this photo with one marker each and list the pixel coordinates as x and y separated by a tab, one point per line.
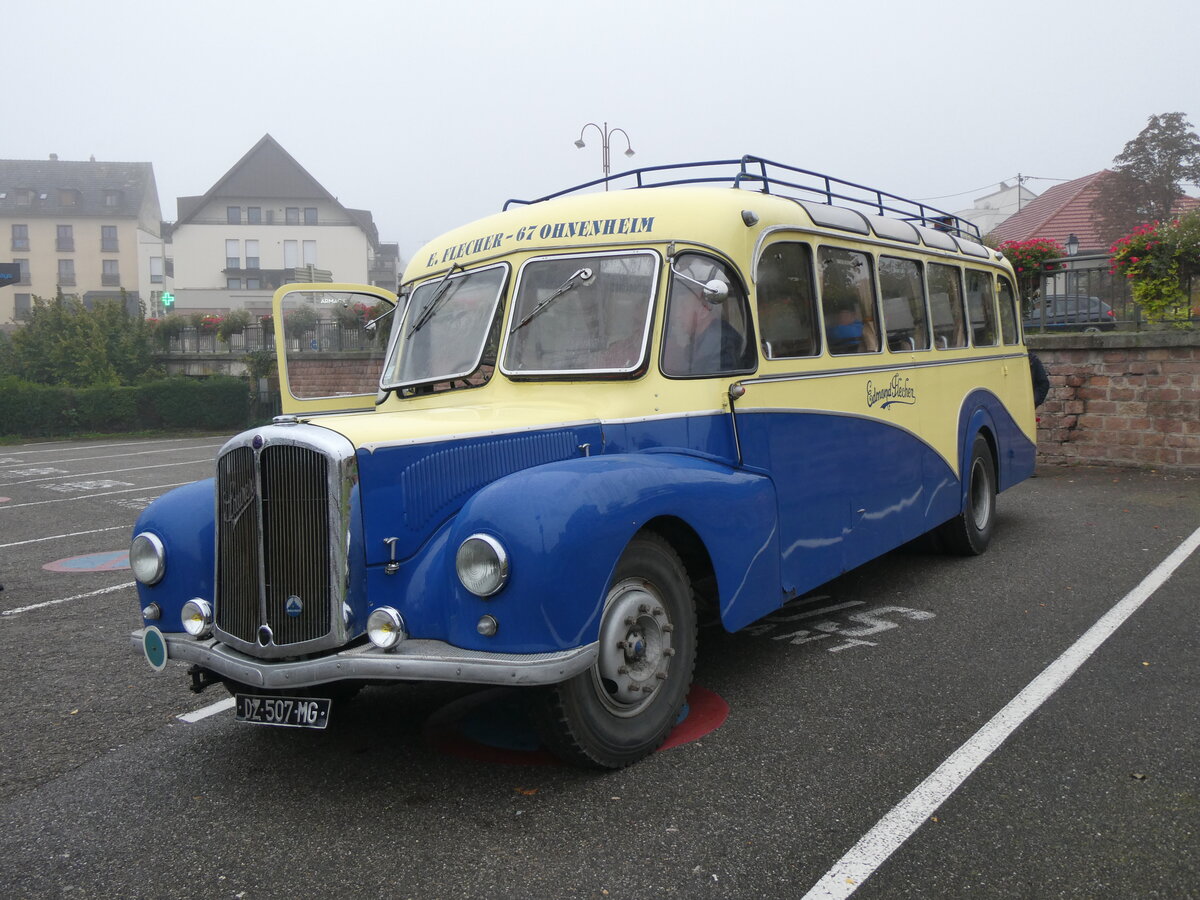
90	229
265	223
1064	210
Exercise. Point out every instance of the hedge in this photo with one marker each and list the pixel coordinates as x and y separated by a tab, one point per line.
220	403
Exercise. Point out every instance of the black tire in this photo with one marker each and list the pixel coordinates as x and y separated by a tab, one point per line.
970	532
623	708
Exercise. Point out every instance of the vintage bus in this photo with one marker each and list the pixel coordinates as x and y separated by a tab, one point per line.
581	420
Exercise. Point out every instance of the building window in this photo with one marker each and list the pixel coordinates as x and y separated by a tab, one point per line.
66	272
291	215
66	239
310	253
233	215
252	261
67	197
20	237
108	238
291	254
111	274
233	255
24	264
253	284
24	197
310	215
23	304
156	270
112	199
254	215
233	284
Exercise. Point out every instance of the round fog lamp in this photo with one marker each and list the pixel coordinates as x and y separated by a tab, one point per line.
385	628
147	558
482	565
197	617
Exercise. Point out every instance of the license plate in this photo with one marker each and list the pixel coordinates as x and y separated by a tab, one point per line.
289	712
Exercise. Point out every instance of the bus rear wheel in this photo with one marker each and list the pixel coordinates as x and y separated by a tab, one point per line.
626	704
970	532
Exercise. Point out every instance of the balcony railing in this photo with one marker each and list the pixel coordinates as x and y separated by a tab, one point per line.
326	337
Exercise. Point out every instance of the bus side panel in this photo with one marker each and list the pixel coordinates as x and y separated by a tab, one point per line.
850	488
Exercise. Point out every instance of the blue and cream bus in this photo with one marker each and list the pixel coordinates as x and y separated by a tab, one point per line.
585	419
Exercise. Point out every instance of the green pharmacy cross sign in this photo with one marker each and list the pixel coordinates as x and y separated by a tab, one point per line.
168	299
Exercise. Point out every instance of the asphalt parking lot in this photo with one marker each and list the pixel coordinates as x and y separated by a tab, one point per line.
1022	724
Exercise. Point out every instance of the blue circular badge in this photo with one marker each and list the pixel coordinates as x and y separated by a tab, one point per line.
155	647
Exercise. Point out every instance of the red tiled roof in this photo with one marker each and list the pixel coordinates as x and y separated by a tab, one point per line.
1063	210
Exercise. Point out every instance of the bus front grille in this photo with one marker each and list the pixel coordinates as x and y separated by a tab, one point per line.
273	585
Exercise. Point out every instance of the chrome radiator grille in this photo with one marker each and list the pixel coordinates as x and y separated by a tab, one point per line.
273	546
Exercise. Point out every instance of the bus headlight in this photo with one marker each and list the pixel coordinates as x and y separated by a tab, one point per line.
482	565
147	558
385	628
196	616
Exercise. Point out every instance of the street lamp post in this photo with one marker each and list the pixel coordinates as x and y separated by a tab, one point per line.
605	134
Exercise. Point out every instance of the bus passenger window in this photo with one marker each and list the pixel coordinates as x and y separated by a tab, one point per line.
982	306
946	307
848	301
705	336
903	292
786	302
1008	313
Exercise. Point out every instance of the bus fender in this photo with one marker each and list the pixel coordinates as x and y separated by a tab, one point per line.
183	519
565	524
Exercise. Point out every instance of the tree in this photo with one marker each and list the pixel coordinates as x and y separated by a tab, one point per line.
1146	182
63	342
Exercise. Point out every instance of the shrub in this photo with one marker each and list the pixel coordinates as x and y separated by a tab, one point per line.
1160	261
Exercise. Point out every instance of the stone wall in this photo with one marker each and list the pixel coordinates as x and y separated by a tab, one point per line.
1121	399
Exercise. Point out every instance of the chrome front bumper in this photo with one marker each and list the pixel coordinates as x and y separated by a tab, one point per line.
413	660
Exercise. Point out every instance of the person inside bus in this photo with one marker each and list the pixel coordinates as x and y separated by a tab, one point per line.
846	332
704	335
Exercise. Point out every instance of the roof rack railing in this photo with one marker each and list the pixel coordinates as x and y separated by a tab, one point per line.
756	173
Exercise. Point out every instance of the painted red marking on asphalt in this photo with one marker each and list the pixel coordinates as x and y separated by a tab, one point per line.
109	561
5	499
494	726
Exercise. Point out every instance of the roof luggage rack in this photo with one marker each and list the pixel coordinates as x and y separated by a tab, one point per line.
756	173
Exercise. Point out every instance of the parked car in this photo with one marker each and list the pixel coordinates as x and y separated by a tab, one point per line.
1070	312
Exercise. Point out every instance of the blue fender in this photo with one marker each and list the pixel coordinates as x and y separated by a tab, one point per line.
183	520
983	410
565	525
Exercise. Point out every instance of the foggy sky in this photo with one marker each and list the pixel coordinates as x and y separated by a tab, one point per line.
431	114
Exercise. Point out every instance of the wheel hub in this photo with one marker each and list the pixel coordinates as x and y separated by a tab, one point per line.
635	647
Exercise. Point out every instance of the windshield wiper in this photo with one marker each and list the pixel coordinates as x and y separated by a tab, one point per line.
582	276
440	293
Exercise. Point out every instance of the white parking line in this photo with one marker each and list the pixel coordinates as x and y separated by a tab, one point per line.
127	455
898	825
184	462
155	487
57	537
25	609
219	707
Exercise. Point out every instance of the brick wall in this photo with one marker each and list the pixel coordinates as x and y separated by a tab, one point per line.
1121	399
330	374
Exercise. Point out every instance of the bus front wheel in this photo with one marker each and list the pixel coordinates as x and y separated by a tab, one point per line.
626	704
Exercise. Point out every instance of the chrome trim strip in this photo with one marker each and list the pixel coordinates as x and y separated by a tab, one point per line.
872	370
412	660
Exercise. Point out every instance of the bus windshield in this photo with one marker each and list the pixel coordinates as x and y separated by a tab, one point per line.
447	329
574	314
